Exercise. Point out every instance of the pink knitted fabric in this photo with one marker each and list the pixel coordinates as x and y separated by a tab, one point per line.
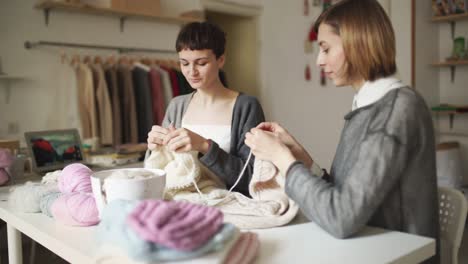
75	178
75	209
178	225
245	250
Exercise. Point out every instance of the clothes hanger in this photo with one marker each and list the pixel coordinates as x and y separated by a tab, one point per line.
123	60
97	59
87	59
75	60
111	60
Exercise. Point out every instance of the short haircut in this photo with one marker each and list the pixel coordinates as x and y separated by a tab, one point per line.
367	36
200	36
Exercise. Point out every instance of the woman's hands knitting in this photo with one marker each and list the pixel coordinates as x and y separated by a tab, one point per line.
157	135
268	146
184	140
281	135
178	140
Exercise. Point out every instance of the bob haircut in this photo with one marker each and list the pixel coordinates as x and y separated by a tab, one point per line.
200	36
367	36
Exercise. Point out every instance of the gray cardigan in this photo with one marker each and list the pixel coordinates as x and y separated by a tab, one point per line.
247	114
383	173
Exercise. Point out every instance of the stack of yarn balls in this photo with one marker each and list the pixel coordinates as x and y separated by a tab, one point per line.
69	201
76	206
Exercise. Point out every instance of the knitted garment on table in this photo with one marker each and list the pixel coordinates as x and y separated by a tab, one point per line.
181	168
177	225
116	237
268	207
245	250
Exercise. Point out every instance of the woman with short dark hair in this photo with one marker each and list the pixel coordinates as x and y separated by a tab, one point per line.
213	120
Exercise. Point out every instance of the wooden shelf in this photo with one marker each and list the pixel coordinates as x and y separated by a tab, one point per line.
48	5
453	133
450	18
450	63
9	77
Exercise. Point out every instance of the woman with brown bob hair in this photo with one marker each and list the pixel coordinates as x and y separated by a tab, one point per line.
383	173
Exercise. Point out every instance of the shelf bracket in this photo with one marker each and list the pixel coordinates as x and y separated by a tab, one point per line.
452	73
46	16
452	29
122	24
451	117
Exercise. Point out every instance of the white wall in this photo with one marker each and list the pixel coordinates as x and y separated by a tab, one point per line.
314	114
34	101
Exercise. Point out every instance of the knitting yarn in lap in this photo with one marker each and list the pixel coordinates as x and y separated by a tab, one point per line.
75	178
26	198
47	200
75	209
178	225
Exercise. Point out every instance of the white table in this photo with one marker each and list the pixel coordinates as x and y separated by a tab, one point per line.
299	243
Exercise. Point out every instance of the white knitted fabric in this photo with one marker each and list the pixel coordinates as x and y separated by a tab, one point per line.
181	168
268	207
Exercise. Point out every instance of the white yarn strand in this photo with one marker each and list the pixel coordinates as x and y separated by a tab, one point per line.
206	201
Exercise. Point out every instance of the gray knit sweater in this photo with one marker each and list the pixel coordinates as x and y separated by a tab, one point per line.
247	114
383	173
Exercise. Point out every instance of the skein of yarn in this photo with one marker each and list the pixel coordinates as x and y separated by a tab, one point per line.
26	198
75	209
46	201
75	177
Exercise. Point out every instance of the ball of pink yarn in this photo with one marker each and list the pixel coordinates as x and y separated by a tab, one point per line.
6	159
75	209
75	178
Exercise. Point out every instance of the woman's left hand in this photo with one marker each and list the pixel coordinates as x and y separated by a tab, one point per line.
184	140
267	145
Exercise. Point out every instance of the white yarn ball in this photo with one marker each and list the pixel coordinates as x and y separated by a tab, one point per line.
26	198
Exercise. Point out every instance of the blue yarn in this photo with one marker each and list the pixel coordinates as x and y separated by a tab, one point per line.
46	201
113	229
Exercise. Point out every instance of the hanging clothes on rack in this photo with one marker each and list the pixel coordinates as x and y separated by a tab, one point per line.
159	105
103	105
166	83
86	101
129	116
110	73
144	104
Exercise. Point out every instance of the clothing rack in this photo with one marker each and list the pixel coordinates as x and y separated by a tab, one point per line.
120	49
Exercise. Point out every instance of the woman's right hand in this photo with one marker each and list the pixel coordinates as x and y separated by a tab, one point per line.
281	132
157	135
296	148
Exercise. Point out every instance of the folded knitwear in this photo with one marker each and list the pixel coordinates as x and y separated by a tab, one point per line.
268	207
245	250
177	225
113	233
